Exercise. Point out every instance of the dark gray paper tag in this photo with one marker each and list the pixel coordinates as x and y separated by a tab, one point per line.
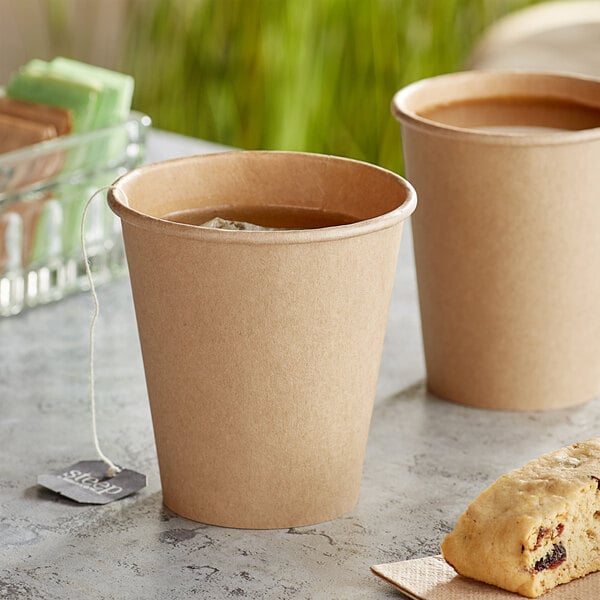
86	482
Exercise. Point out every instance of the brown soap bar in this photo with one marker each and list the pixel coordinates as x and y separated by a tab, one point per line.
60	118
17	133
23	124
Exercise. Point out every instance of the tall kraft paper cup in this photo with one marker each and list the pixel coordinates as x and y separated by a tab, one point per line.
261	349
507	246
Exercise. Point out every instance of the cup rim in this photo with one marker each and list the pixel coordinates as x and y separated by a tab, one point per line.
407	115
117	200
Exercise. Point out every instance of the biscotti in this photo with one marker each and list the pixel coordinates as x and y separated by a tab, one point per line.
536	527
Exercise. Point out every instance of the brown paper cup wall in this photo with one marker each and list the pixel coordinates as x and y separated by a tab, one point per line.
506	237
261	348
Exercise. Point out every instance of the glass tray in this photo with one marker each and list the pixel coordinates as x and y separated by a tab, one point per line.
43	190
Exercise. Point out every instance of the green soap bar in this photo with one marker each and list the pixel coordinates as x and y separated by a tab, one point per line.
35	82
47	240
113	106
117	88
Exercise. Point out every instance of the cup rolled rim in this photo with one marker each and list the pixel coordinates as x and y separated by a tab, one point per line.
118	202
480	84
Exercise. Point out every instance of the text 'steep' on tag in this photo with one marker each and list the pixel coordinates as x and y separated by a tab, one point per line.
86	482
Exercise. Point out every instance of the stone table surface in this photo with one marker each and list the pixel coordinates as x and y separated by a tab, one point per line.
426	459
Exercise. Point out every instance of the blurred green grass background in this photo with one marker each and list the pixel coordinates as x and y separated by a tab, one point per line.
310	75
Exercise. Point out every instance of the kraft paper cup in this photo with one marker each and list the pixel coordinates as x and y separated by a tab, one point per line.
261	348
507	245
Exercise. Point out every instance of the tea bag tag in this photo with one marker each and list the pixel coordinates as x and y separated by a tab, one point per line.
86	482
93	481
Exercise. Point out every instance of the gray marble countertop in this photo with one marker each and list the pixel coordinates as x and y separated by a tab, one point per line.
426	459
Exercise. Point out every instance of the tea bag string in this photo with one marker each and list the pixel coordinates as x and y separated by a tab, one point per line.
112	468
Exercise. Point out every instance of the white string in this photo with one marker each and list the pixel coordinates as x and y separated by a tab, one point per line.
112	468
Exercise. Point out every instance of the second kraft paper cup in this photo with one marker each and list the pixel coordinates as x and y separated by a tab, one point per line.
261	348
506	239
